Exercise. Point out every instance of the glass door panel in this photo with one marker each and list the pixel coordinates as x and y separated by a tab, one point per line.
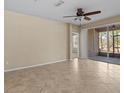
103	43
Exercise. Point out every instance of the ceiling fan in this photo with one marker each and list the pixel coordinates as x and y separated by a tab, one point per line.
80	13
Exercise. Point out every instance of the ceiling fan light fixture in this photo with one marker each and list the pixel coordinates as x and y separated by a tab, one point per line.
79	19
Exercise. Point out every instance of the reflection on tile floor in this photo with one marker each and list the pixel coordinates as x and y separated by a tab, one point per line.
78	76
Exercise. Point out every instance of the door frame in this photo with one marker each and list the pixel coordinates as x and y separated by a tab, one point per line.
76	33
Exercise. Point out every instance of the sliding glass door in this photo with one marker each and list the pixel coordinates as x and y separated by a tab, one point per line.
103	43
109	43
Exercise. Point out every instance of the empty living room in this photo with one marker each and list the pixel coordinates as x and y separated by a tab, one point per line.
61	46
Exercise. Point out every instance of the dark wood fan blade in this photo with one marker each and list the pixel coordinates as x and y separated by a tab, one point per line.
69	16
87	18
92	13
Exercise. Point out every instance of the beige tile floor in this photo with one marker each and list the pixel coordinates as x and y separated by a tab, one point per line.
79	76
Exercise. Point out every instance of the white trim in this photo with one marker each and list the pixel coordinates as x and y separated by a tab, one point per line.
19	68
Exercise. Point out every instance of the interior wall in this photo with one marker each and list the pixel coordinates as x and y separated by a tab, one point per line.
84	43
31	40
92	42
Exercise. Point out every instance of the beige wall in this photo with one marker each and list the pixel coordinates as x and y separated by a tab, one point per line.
84	43
32	40
92	42
115	19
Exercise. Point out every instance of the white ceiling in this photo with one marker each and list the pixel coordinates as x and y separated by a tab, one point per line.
47	8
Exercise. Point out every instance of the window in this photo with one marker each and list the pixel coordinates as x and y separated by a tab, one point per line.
113	42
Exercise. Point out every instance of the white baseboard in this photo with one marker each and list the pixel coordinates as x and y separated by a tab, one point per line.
19	68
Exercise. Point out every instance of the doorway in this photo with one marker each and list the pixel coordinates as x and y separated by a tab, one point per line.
75	45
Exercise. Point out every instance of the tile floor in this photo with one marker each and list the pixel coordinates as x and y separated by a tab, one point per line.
78	76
